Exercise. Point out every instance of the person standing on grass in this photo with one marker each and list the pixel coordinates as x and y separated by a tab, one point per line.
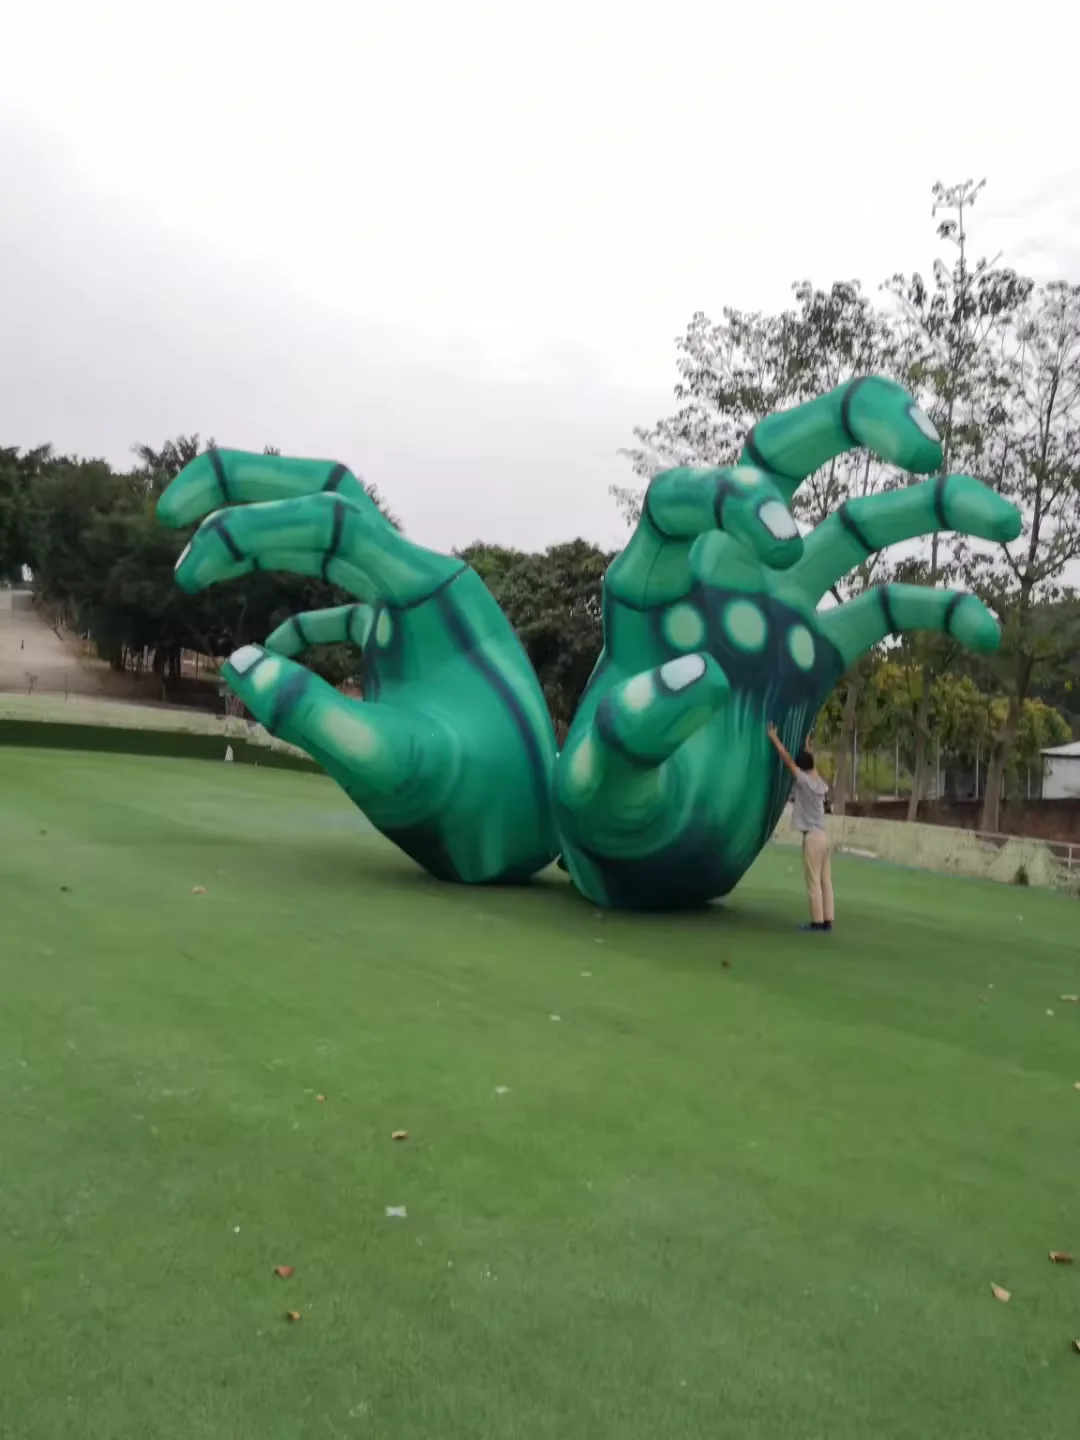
808	816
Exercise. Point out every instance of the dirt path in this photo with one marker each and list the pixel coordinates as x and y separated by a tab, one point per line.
29	647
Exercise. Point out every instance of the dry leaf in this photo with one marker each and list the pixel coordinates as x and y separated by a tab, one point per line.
1070	999
283	1271
198	889
1077	1085
320	1097
400	1135
1076	1346
292	1316
1000	1294
1061	1257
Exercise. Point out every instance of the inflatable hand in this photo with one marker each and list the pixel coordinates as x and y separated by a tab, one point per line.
450	753
667	788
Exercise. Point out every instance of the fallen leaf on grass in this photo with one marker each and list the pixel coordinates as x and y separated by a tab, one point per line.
396	1212
1077	1085
198	889
292	1316
399	1135
1061	1257
1076	1346
1049	1012
320	1097
1069	999
1001	1294
505	1089
283	1271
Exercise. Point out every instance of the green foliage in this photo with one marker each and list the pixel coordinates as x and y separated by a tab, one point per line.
90	537
554	601
95	549
964	718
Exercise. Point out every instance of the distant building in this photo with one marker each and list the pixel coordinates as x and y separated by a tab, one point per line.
1061	772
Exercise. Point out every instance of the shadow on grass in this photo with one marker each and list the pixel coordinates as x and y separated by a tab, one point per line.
698	938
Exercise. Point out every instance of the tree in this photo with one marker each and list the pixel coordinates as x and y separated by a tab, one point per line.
159	467
65	499
731	373
1056	681
948	328
554	601
18	471
91	537
1034	460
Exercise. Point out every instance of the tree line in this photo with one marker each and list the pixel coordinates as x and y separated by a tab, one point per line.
88	534
992	357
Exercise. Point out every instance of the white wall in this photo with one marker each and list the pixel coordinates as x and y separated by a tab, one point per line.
1061	777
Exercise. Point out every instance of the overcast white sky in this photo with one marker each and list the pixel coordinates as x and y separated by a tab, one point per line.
452	244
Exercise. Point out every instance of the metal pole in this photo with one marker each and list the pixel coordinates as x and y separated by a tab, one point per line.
855	764
938	795
896	772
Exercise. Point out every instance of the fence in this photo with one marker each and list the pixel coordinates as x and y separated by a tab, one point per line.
1008	859
878	774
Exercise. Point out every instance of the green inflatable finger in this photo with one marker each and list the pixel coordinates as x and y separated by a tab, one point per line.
862	526
870	412
219	478
885	610
324	535
340	625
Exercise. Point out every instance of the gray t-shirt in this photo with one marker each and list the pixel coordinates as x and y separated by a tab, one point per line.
809	797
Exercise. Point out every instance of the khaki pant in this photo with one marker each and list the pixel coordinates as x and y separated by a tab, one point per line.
817	868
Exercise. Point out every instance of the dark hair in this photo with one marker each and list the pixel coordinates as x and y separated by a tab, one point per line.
805	760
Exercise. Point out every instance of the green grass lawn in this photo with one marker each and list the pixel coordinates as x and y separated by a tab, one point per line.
748	1183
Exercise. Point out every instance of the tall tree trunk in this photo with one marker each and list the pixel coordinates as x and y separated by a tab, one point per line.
842	755
921	765
1004	745
1000	755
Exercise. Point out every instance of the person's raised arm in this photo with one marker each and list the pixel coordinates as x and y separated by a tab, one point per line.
778	745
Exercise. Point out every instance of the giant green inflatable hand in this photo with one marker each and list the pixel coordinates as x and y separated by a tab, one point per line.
667	788
450	754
